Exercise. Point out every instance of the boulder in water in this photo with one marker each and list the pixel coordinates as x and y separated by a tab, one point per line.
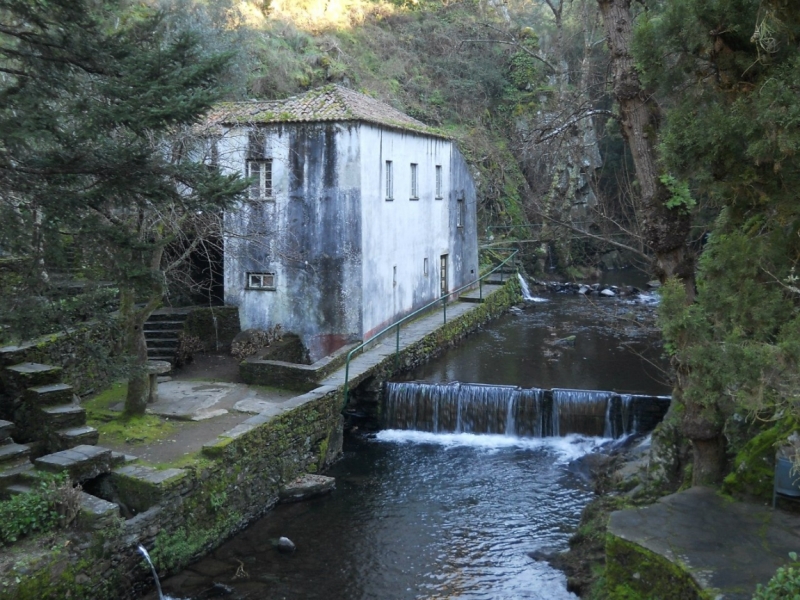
608	293
286	546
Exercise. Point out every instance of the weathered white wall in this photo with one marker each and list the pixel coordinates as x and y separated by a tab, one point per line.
347	261
309	236
401	233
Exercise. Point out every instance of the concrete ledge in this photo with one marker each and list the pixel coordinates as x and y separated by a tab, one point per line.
697	544
143	487
292	376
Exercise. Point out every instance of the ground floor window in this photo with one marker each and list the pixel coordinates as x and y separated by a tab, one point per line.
261	281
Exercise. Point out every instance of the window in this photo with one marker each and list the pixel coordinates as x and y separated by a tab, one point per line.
261	281
414	190
389	182
424	266
438	182
260	174
460	212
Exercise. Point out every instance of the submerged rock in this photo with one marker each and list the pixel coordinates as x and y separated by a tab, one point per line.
286	546
307	486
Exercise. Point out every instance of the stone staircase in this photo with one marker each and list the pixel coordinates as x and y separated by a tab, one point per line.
162	332
46	412
52	425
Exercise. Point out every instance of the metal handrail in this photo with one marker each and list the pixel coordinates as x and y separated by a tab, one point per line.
397	324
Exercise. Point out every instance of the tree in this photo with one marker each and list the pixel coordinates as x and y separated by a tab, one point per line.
91	99
727	72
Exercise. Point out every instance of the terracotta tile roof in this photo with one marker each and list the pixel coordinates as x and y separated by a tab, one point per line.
329	103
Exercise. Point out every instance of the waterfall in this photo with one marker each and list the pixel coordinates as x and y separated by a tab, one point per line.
526	291
144	553
513	411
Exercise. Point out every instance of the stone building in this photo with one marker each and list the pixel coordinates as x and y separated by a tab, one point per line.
357	215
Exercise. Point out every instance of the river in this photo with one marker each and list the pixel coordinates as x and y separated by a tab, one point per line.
419	515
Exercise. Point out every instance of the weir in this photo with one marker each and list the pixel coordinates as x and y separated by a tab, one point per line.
497	409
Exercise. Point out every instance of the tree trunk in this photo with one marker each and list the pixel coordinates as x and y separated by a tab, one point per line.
665	230
135	351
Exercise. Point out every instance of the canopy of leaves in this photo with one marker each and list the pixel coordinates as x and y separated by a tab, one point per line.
729	72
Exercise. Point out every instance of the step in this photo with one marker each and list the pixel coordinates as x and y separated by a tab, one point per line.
64	416
170	314
17	489
11	454
472	299
163	325
20	474
81	462
160	354
6	430
18	378
76	436
49	395
160	342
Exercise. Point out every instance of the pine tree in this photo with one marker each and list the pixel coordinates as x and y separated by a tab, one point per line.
95	100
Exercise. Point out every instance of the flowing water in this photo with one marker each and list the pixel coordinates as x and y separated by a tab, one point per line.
434	509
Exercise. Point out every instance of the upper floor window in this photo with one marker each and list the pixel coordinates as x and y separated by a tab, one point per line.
260	174
389	182
438	182
414	180
460	212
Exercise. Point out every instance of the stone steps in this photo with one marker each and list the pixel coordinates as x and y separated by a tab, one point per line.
75	436
20	377
6	429
162	333
81	463
13	454
49	395
63	416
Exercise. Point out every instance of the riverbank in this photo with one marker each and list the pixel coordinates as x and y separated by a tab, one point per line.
633	542
183	510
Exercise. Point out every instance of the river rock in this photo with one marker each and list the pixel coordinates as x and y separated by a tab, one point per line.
608	293
286	546
654	285
305	487
584	289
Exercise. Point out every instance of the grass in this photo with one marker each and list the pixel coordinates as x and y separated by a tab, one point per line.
114	427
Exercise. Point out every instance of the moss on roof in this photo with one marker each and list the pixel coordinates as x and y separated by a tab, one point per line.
328	103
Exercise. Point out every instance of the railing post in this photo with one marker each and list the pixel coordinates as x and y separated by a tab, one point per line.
444	308
397	350
480	289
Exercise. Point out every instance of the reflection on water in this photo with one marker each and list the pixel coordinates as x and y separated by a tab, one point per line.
612	349
414	517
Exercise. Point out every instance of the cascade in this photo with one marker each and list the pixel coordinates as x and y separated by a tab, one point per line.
508	410
526	291
143	552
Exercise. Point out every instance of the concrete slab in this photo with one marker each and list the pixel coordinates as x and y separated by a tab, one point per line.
201	400
728	547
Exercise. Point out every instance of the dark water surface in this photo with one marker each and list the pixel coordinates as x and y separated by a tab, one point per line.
414	516
419	515
613	349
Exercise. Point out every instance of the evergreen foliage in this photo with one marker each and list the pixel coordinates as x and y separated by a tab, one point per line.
92	101
728	71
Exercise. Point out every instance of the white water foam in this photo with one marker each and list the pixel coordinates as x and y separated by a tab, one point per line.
526	291
567	448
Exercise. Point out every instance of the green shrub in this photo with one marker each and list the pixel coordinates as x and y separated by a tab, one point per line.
53	502
784	585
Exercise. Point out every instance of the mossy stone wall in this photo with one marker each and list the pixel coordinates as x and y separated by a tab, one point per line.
635	573
87	354
198	507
